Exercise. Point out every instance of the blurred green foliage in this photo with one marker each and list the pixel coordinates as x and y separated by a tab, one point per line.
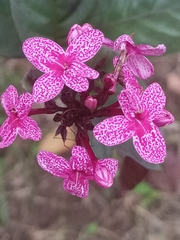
152	21
148	193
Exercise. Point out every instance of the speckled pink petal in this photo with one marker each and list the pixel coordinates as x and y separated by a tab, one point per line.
146	49
164	118
47	87
28	129
42	52
113	131
130	82
7	134
84	70
120	42
129	103
80	160
53	164
78	188
86	45
76	82
9	99
153	100
24	104
151	146
140	66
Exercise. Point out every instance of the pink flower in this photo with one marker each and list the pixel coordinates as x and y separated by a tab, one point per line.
139	65
62	67
79	170
140	112
18	122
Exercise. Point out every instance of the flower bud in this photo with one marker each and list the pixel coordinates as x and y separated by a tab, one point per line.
90	103
110	82
164	118
103	177
76	30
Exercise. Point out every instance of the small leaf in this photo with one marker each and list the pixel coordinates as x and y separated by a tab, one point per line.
92	228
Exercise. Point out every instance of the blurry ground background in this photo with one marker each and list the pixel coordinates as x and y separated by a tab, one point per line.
34	206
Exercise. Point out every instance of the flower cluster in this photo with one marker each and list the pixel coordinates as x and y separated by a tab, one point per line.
137	113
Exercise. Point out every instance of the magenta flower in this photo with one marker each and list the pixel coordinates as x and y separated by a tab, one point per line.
139	65
79	170
18	122
140	112
62	67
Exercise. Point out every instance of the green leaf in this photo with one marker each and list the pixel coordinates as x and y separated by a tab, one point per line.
152	21
148	193
10	44
92	228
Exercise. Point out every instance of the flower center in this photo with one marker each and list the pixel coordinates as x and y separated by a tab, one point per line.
14	112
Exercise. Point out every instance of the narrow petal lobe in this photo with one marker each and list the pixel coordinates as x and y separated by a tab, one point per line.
151	146
28	129
47	87
53	164
9	99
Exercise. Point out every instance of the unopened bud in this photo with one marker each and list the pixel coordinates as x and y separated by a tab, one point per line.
164	118
76	30
90	103
110	82
103	177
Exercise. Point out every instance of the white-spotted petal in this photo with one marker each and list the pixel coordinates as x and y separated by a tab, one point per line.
75	81
24	104
9	99
53	164
79	188
148	50
47	87
84	70
140	66
42	52
153	100
28	129
114	130
86	45
7	134
151	146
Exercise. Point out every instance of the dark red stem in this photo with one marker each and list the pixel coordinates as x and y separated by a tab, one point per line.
35	111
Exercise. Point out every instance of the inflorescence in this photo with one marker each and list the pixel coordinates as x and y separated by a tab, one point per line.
138	113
